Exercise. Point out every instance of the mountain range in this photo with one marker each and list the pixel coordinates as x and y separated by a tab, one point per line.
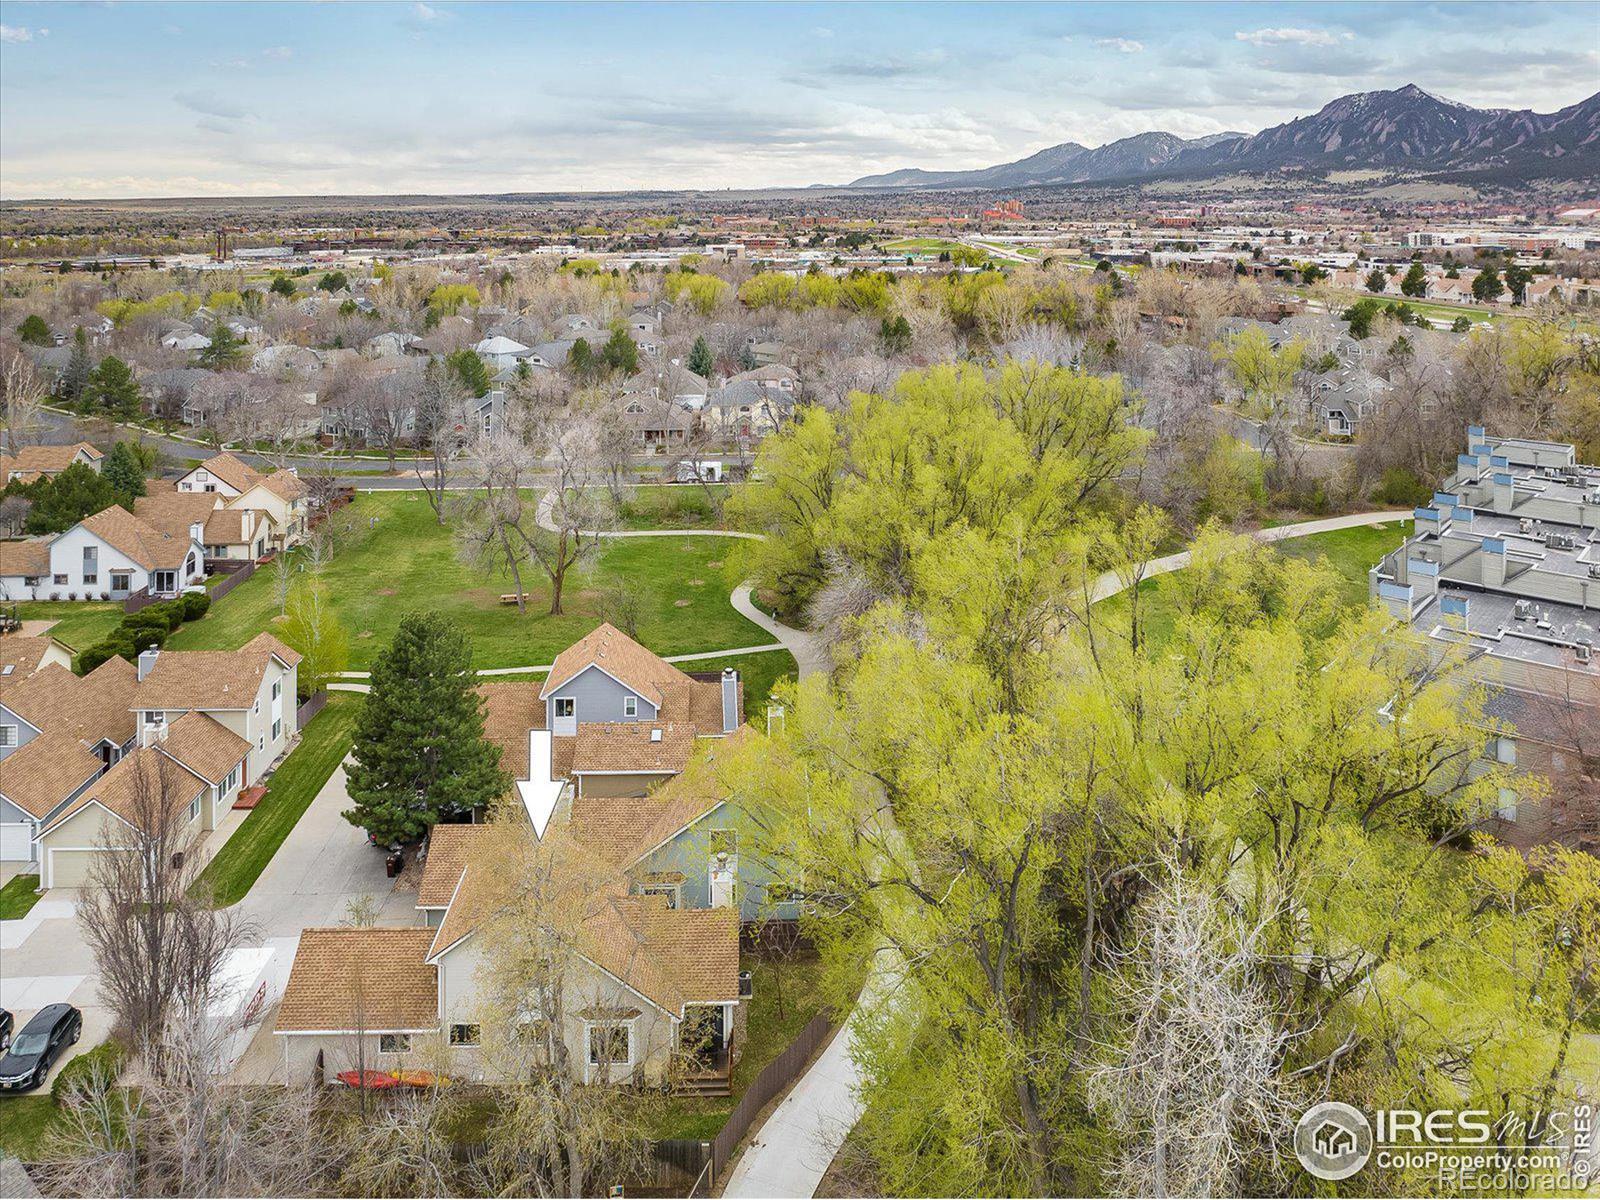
1406	129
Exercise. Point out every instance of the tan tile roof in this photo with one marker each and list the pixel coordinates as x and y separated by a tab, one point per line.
228	526
174	512
29	556
24	654
450	848
629	746
211	679
510	710
620	657
46	771
284	484
146	545
135	784
33	461
91	708
205	746
345	979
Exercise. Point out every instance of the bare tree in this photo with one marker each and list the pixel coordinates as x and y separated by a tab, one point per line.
22	393
14	512
574	512
497	522
405	1149
1195	1085
441	427
157	945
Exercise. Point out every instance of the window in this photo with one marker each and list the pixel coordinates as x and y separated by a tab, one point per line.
566	706
1503	749
231	782
277	730
255	709
91	564
155	717
1506	810
58	579
611	1043
261	741
669	890
277	688
31	580
8	735
394	1043
122	582
194	808
630	706
465	1034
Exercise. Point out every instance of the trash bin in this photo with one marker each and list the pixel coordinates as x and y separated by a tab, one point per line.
393	863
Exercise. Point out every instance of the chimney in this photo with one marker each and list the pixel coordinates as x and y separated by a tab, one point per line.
1494	562
730	699
147	661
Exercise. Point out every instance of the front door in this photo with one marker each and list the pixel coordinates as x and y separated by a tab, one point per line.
565	723
703	1037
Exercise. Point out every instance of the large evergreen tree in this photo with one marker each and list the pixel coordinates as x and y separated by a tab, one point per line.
620	353
471	370
111	389
124	472
62	502
701	361
33	330
420	755
1415	284
225	351
79	367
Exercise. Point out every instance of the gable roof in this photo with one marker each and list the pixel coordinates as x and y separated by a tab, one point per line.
623	830
510	710
620	657
646	747
30	462
347	978
173	512
30	556
205	746
152	548
24	654
211	679
127	789
450	847
241	476
92	708
45	771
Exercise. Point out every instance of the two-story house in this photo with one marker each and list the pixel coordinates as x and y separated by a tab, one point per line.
281	495
108	556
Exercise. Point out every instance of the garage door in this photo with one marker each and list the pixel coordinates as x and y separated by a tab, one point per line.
16	842
70	868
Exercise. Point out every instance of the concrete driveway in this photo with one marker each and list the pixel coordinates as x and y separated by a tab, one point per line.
44	960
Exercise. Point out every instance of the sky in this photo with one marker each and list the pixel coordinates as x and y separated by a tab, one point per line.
133	100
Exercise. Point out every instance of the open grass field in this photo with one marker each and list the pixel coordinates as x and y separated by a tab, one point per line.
290	791
402	560
79	625
671	506
1351	552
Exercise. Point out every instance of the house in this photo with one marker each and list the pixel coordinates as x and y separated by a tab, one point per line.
110	555
45	462
1341	400
21	656
228	534
500	352
186	342
281	495
386	345
58	733
655	424
250	691
649	993
1453	291
746	409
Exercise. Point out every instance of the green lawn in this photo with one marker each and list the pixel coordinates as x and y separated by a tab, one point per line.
18	896
25	1121
758	672
670	506
767	1035
290	791
79	624
406	561
1352	552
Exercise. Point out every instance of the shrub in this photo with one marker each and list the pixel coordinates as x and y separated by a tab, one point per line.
106	1059
1400	486
141	639
145	619
169	611
195	605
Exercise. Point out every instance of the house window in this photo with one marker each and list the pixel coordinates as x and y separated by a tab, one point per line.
610	1044
166	581
1503	750
255	709
1506	810
31	580
58	579
566	706
91	564
465	1034
232	781
669	890
155	717
122	582
8	735
394	1043
277	730
277	688
194	808
261	741
630	706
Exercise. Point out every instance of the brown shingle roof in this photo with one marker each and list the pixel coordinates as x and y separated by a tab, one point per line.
623	830
30	556
32	461
620	657
91	708
510	710
670	956
46	771
23	654
226	526
211	679
373	979
146	545
205	746
133	787
624	746
234	472
174	512
450	847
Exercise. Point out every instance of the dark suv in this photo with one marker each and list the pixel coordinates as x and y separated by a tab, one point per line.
42	1040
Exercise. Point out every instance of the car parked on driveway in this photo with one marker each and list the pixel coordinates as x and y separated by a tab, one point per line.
42	1040
7	1021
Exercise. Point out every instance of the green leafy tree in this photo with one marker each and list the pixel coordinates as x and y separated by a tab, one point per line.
1517	277
124	471
419	754
1461	325
1311	273
1263	373
333	281
701	360
33	331
75	379
112	389
1377	281
470	369
1360	315
282	285
224	352
1415	283
620	353
61	502
313	628
1486	286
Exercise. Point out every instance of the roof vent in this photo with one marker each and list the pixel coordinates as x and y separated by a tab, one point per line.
655	735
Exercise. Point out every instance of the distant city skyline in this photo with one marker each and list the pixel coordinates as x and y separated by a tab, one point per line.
149	100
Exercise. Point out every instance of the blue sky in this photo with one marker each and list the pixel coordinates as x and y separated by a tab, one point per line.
138	99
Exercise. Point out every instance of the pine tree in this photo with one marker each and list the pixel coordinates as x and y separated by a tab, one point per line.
701	361
580	359
112	388
123	471
471	370
33	331
1416	281
74	494
1377	281
226	350
420	755
620	353
76	377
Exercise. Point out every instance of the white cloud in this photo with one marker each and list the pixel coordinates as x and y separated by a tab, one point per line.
426	12
1290	36
20	33
278	52
1121	45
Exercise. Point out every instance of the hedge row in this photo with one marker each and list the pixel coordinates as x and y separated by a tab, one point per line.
106	1060
150	626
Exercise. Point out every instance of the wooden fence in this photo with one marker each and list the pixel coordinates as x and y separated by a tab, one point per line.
702	1162
234	579
310	708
